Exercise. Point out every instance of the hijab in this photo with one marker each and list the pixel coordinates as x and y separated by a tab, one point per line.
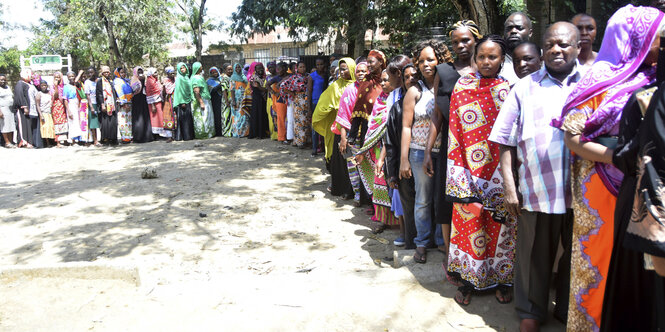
618	69
183	87
238	77
135	83
199	82
212	81
250	71
326	109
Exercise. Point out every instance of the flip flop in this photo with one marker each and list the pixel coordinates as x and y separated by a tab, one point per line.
504	292
466	296
420	258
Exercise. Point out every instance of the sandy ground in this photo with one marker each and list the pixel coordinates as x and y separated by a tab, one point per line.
274	252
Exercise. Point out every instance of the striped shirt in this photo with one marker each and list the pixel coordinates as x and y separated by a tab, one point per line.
543	159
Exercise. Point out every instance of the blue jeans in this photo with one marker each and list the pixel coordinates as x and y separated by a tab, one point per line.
424	186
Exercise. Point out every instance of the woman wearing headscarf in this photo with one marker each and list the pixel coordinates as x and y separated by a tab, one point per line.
238	85
83	107
340	127
182	99
482	243
241	118
326	109
591	121
258	127
153	95
279	100
168	109
35	115
141	128
204	121
22	110
370	160
215	89
227	100
107	105
270	110
44	106
58	110
296	87
124	108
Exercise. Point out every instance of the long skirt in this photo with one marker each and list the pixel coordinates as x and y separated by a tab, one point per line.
258	125
157	118
593	240
241	117
76	133
340	184
170	120
60	124
84	114
23	133
109	126
272	119
141	128
46	129
93	117
290	121
280	110
185	128
35	131
302	120
481	249
204	121
216	104
227	119
125	123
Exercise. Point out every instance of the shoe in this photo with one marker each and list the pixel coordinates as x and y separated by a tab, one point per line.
399	242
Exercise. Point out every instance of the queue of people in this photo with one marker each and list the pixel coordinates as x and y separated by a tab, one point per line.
513	160
525	166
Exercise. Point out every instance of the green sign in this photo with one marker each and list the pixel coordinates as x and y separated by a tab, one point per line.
45	62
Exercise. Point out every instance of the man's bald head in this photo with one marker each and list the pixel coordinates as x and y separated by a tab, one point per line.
561	46
560	28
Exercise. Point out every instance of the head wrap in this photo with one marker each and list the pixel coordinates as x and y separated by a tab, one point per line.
198	81
469	24
212	81
135	83
251	69
150	71
379	56
245	69
36	79
169	70
183	88
238	77
41	81
105	69
116	72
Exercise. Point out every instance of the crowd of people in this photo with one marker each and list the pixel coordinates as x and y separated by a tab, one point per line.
512	160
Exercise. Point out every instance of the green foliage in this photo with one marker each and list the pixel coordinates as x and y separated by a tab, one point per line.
408	21
509	6
306	20
140	27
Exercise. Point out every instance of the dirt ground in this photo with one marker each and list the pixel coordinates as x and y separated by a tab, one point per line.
233	235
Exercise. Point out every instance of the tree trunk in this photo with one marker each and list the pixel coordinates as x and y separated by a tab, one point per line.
199	31
484	12
116	57
355	35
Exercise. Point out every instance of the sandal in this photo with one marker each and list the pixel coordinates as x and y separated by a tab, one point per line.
10	146
370	211
420	257
463	296
504	293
